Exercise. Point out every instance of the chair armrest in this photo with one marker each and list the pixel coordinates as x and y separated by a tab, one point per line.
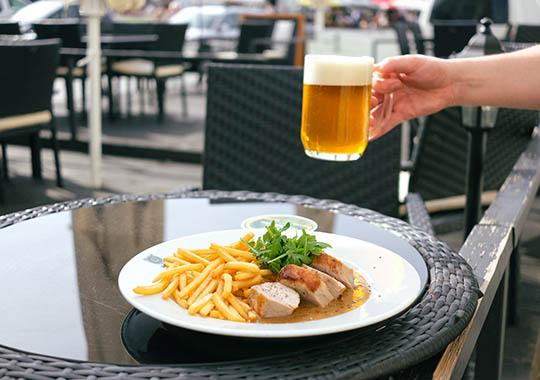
417	214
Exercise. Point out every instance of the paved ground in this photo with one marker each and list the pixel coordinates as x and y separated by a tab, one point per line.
133	175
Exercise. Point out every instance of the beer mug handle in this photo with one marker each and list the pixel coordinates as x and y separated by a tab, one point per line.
388	104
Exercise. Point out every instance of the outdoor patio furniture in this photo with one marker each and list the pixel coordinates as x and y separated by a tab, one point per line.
526	33
286	43
451	36
170	39
438	170
25	101
9	28
69	32
252	142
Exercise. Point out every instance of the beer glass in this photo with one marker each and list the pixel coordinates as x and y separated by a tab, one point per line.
336	106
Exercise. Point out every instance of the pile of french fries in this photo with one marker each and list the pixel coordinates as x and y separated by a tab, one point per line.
213	282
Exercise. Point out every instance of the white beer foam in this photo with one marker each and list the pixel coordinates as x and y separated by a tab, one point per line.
337	70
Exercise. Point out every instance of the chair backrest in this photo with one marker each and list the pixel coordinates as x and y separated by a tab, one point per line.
526	33
441	162
132	28
252	30
68	30
252	142
8	27
407	32
170	37
451	36
27	72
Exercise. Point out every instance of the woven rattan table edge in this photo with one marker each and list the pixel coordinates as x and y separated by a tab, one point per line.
257	368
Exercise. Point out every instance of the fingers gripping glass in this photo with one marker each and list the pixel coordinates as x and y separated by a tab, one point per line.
336	106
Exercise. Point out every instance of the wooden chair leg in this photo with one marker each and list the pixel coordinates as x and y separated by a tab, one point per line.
35	150
71	107
84	108
56	151
160	89
183	94
5	171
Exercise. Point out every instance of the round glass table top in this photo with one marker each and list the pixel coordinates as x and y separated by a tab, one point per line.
60	271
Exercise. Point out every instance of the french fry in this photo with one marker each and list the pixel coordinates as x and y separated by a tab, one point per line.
196	306
207	308
224	309
151	289
173	285
216	314
177	260
213	282
180	301
245	267
183	280
239	253
237	306
240	276
193	257
198	279
248	283
266	272
199	290
167	275
219	270
227	285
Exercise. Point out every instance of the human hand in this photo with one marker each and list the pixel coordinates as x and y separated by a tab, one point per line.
420	85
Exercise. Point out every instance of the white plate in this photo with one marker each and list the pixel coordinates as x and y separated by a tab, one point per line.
394	282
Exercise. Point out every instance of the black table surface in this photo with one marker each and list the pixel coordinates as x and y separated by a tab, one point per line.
60	266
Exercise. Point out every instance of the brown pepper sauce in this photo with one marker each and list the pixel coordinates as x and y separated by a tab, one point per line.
350	299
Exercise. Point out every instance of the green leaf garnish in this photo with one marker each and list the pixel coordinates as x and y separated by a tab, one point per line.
274	250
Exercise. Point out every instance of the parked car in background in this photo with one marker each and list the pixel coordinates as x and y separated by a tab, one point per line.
9	7
44	9
212	21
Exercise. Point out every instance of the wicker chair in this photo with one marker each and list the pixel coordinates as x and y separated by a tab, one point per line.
526	33
170	38
25	101
69	31
9	27
439	164
252	142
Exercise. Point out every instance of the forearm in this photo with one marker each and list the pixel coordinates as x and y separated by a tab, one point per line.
504	80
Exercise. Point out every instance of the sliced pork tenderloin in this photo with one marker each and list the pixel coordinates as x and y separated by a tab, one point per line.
306	283
336	288
272	299
335	268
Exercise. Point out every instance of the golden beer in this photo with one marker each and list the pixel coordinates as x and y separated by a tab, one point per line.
336	106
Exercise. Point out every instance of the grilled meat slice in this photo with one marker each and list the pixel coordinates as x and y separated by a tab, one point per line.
335	287
272	299
306	283
335	268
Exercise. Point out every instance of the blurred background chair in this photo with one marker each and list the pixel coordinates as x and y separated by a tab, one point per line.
451	36
69	32
252	142
285	42
525	33
8	27
170	39
25	101
438	171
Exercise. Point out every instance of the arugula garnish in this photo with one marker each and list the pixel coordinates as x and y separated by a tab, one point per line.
274	250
